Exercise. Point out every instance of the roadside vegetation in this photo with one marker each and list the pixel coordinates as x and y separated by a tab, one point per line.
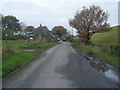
14	55
104	54
12	62
17	38
95	34
10	47
111	48
42	45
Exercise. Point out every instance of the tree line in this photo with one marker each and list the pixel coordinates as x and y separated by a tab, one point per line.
12	26
87	22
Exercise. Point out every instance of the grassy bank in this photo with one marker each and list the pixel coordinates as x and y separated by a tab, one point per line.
14	55
12	62
110	37
106	57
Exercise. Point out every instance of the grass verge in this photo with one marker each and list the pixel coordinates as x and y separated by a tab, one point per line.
12	62
15	56
106	57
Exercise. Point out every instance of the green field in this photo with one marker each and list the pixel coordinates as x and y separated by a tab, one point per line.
14	55
14	43
110	37
11	47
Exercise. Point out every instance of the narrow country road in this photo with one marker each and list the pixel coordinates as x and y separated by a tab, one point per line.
58	67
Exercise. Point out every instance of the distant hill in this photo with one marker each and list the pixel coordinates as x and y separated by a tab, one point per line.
110	37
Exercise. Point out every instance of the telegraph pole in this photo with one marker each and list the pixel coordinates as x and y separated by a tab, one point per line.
72	33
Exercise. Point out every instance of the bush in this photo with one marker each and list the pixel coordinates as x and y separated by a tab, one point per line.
8	50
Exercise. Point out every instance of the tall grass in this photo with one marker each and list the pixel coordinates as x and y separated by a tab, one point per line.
104	56
14	55
11	47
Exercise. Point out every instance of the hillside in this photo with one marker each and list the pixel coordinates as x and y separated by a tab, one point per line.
110	37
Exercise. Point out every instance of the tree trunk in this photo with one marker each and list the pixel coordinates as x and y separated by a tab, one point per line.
87	38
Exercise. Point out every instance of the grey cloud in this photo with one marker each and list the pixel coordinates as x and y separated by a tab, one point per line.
52	12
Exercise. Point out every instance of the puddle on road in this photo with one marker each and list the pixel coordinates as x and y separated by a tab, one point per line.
30	50
110	74
106	68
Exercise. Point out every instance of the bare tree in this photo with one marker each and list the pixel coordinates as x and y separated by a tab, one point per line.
89	21
22	27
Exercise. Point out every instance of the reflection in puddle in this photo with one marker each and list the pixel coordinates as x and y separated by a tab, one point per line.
106	68
110	74
30	50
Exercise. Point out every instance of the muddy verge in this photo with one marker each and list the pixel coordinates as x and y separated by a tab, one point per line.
103	67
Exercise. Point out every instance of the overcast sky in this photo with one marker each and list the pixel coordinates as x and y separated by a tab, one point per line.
54	12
